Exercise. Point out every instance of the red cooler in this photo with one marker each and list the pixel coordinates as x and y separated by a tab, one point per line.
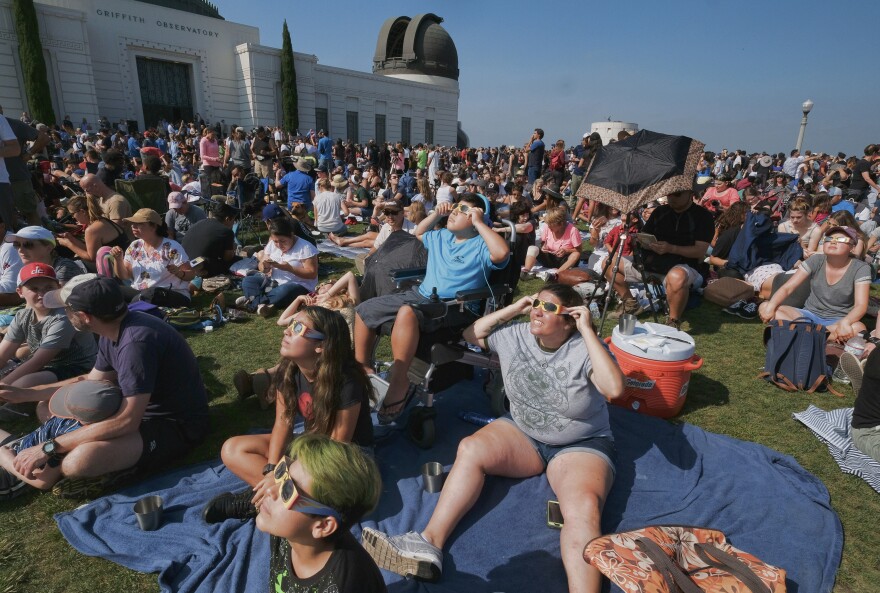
656	361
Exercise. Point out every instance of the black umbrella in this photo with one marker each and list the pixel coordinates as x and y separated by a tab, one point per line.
645	166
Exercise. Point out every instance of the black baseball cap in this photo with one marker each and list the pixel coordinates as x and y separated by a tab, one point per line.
88	293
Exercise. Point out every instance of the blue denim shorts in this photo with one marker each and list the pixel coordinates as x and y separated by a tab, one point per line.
816	319
600	446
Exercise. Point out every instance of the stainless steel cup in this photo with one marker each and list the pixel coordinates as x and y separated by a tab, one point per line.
148	511
432	476
627	324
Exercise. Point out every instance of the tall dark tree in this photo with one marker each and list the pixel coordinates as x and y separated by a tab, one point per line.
289	99
33	66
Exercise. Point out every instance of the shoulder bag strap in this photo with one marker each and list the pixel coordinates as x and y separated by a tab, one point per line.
676	579
715	556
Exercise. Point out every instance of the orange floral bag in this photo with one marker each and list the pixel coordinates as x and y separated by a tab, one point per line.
669	559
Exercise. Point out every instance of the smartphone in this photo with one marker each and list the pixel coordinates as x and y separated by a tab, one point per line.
554	515
196	262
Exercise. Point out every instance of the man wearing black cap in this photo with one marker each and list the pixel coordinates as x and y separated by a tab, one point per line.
164	411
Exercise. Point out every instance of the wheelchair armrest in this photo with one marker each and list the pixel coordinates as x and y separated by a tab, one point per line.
433	310
403	274
479	294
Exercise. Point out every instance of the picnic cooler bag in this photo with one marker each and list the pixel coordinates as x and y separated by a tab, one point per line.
656	362
673	559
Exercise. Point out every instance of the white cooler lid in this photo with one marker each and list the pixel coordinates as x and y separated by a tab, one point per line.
655	341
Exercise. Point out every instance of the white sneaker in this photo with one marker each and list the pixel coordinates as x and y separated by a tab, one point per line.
242	301
409	555
265	310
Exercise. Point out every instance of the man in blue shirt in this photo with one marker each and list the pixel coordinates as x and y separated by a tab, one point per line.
300	186
460	257
134	148
536	155
325	152
577	174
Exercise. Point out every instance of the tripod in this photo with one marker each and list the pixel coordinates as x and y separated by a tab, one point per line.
614	258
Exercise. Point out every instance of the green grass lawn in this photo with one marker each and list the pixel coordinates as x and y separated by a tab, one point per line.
725	397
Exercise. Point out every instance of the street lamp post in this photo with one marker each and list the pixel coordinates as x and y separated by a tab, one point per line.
806	107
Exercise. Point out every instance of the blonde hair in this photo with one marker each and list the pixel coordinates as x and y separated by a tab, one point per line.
417	212
555	216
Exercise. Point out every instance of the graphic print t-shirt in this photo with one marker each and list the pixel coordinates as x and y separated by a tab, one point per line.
351	394
349	570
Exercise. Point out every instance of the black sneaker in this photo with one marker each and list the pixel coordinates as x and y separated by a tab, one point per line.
230	506
748	311
735	308
10	486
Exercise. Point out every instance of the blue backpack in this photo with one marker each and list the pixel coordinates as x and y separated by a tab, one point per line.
796	359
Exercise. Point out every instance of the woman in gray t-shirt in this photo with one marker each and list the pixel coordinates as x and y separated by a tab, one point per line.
557	374
839	288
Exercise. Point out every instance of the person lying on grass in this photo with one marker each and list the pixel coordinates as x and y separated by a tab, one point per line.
318	380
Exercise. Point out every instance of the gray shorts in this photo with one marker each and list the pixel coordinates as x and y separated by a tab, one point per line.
379	310
600	446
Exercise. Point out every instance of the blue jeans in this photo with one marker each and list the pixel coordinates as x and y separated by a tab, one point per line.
533	173
255	288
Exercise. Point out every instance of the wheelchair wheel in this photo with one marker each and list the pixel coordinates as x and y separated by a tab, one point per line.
421	427
497	395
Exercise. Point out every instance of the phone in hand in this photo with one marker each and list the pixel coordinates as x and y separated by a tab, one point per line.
554	515
193	263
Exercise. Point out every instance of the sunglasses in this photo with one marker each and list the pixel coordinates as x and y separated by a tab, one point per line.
548	307
299	328
462	207
293	499
391	212
25	245
844	240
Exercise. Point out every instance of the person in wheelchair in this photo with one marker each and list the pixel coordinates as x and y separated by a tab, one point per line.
460	257
557	374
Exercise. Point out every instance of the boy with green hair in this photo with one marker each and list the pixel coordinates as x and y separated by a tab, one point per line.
307	505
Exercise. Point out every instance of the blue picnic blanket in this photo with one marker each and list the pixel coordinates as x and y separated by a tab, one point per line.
764	501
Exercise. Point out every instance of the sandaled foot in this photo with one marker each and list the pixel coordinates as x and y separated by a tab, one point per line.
243	383
388	413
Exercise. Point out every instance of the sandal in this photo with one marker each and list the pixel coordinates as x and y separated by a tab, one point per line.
385	417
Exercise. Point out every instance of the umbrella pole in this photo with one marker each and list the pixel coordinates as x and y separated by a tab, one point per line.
616	256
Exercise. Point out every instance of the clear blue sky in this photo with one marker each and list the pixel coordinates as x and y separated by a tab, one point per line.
732	74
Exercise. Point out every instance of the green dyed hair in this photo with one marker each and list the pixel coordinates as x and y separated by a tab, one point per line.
343	477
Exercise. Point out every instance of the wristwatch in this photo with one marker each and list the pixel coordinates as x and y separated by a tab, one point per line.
50	449
269	467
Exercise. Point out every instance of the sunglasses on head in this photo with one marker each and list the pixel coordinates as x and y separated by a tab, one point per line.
299	328
548	307
25	245
293	499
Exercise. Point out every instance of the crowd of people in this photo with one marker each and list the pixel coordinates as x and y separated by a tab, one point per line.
81	267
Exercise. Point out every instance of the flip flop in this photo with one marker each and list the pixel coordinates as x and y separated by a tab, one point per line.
385	417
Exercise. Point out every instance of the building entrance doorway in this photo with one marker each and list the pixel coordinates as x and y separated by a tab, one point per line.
166	90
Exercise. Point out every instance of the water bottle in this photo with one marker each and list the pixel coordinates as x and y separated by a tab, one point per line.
475	418
594	310
855	346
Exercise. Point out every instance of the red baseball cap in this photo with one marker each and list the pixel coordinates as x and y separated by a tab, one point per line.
35	270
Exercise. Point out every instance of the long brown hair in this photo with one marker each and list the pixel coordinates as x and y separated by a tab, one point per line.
335	365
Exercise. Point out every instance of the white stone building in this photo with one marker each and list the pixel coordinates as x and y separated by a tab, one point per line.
609	130
141	60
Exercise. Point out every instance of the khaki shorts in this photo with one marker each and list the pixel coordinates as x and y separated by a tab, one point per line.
24	197
263	168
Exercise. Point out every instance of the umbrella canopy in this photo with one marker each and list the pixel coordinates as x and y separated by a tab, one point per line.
645	166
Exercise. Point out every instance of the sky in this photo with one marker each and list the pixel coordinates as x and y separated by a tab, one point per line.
731	74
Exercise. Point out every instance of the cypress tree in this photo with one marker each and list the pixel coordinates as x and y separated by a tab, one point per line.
33	66
289	100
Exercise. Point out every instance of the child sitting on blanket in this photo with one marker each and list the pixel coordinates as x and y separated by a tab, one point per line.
310	501
342	295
